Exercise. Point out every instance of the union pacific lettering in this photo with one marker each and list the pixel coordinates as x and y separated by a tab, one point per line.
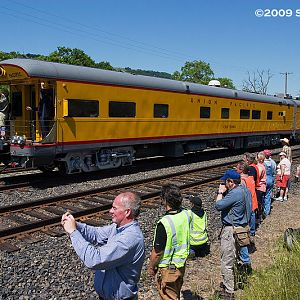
242	104
204	101
15	75
207	101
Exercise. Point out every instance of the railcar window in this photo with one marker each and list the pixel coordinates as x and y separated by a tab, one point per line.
16	104
225	113
256	114
269	115
122	109
83	108
161	111
204	112
244	114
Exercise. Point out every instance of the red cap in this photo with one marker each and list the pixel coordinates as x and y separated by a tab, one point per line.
267	152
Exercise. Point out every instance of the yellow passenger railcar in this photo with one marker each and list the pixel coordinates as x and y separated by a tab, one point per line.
86	119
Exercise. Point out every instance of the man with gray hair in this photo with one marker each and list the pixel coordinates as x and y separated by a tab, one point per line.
116	252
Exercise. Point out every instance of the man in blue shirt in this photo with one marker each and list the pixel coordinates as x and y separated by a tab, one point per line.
235	210
116	252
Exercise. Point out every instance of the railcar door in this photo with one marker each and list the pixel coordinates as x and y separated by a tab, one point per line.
19	118
32	111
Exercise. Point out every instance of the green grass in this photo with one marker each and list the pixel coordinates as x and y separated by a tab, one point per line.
280	281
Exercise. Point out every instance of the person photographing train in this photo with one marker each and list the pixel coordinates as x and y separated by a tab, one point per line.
234	202
116	252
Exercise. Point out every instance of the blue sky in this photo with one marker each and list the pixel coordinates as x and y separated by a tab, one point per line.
162	35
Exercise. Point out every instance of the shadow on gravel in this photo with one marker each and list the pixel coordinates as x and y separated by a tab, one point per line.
189	295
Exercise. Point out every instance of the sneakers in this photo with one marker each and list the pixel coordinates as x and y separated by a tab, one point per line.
285	198
279	199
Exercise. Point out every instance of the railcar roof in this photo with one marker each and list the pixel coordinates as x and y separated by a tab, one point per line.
51	70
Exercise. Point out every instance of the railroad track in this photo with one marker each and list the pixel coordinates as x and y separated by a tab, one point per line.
36	179
13	179
45	214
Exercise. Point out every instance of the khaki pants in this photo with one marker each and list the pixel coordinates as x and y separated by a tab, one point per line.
169	283
228	258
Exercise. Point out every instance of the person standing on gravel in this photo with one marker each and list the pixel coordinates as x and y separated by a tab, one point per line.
270	165
171	245
283	176
261	184
286	148
199	245
116	252
248	181
235	208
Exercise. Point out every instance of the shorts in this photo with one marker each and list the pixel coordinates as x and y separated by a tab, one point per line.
282	182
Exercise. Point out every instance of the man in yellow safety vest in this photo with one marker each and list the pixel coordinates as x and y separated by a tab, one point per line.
171	245
198	229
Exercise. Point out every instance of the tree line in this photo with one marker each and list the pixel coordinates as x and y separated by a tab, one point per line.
196	71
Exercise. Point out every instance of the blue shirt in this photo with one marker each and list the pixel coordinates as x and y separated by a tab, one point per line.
235	207
117	255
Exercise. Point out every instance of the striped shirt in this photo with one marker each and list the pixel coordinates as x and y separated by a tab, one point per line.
287	149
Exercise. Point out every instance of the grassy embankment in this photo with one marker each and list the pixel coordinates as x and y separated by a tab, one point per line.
280	281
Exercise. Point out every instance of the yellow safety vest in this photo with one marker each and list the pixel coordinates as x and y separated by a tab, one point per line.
178	239
198	231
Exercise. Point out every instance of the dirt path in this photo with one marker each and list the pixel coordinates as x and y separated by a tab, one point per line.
203	277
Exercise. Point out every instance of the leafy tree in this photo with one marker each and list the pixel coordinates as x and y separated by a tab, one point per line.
104	65
76	57
257	82
176	75
200	72
148	73
71	56
4	55
195	71
226	82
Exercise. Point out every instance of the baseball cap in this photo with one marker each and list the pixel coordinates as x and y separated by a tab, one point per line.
282	153
231	174
267	152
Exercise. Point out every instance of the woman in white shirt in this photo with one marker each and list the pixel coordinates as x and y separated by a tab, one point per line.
283	176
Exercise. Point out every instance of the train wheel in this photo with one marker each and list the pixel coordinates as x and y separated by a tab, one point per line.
47	169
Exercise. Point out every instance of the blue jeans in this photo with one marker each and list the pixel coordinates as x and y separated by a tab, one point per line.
267	199
252	223
244	255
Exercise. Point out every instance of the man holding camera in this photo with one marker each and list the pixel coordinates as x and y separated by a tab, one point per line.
116	252
235	211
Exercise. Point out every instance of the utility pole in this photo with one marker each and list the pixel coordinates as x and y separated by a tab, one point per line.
285	85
